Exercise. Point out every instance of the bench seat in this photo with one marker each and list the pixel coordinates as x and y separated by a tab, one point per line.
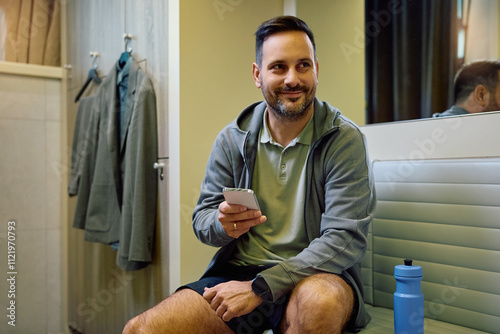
383	323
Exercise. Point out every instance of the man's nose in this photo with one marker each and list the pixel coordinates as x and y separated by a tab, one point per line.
292	78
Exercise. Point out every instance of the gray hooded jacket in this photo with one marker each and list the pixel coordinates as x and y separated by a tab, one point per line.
340	199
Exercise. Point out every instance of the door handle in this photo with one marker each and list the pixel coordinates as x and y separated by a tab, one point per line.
159	166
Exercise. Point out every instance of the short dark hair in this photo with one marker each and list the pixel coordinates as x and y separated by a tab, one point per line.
276	25
480	72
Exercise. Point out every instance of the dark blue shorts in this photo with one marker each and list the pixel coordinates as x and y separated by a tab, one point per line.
266	316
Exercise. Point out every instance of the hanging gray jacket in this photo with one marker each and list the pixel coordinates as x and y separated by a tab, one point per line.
339	203
118	186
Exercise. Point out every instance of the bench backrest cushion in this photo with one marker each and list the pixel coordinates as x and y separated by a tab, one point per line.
445	215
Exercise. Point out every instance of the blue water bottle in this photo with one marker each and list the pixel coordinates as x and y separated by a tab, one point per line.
408	299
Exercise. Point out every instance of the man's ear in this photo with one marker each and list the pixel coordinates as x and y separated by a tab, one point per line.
481	95
317	71
256	75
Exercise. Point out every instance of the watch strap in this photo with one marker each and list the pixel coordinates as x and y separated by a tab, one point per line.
261	288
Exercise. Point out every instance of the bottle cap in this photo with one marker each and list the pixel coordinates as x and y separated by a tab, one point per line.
408	269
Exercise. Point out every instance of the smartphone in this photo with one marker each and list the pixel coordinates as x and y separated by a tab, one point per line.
241	196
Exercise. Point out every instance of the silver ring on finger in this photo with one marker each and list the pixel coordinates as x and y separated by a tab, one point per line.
235	227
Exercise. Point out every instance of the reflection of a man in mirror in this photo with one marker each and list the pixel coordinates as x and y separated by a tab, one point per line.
476	89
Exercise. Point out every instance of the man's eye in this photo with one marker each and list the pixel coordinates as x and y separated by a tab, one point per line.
278	67
304	65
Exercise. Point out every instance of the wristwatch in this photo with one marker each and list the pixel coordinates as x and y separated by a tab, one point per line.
261	289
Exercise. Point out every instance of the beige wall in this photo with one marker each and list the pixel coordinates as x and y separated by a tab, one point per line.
217	51
337	28
216	56
482	33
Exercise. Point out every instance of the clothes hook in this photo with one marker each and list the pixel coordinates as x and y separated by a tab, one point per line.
93	75
94	56
128	40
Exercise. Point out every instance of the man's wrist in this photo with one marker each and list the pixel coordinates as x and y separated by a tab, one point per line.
261	288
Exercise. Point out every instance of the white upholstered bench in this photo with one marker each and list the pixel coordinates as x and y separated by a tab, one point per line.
444	214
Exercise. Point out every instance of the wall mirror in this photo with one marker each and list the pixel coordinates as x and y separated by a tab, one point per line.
416	48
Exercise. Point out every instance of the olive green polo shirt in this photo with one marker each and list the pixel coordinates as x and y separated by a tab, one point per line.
279	183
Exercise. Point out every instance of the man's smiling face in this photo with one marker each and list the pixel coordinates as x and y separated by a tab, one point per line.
288	75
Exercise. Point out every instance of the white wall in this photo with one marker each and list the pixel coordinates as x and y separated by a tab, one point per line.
468	136
31	186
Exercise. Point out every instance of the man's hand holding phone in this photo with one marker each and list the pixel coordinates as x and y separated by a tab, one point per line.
239	212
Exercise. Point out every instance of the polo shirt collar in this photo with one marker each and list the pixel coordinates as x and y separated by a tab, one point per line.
305	136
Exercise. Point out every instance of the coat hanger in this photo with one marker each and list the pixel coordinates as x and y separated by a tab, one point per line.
92	76
128	51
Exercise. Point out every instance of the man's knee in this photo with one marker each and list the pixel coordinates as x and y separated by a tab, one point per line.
325	288
331	298
131	326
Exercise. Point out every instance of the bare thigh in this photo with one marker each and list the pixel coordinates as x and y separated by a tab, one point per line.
185	311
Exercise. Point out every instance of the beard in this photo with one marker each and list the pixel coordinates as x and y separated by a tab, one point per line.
290	108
